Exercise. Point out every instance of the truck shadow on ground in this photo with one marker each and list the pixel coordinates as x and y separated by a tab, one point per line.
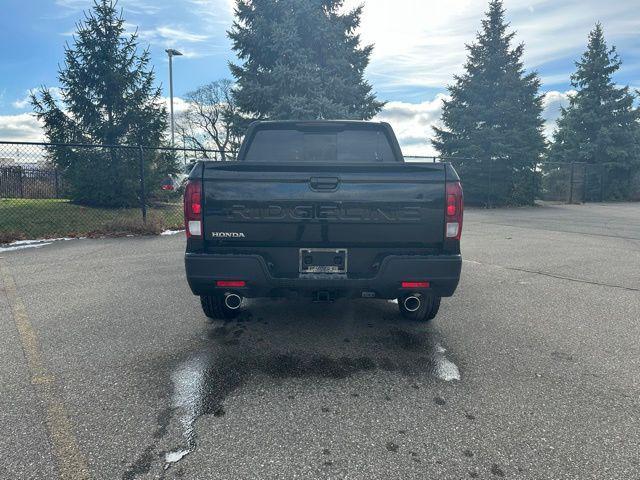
289	340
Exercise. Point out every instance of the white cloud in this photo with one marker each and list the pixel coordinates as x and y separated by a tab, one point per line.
21	103
179	105
215	10
143	7
172	34
23	127
553	102
414	122
25	102
421	43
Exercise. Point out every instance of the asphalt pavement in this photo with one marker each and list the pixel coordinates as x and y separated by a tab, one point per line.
109	369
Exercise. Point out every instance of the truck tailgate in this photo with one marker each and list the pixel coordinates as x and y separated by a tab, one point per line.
310	205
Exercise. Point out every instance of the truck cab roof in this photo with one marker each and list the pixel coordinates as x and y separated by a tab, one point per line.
317	123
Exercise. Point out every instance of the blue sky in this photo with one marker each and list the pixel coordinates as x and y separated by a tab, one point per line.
419	46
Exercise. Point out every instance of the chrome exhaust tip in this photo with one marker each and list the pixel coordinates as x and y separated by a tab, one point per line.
232	301
412	303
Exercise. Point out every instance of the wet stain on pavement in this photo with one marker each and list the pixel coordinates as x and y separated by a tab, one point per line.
404	340
164	417
392	447
563	356
496	470
202	382
436	363
219	332
142	465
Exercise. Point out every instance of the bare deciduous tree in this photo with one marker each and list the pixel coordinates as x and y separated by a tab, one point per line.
207	121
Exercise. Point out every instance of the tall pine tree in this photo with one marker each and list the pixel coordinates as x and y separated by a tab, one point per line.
108	97
600	125
494	118
300	60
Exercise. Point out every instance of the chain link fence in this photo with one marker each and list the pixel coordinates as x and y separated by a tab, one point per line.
572	182
39	196
551	182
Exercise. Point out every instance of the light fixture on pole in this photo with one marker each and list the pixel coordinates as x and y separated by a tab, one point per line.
172	53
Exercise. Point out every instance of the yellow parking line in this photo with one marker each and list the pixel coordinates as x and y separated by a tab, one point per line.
71	463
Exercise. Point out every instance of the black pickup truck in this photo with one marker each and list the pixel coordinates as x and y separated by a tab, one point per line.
325	210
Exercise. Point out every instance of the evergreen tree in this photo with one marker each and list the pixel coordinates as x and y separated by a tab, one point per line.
301	60
600	125
493	118
108	97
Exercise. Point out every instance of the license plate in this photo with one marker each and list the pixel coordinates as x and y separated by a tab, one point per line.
323	260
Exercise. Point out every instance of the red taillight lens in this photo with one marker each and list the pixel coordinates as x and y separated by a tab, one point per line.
416	284
231	283
454	211
193	208
196	206
452	207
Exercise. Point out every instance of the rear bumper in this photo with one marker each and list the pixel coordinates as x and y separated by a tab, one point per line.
203	270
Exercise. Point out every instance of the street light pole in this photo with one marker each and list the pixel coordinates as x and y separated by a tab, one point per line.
172	53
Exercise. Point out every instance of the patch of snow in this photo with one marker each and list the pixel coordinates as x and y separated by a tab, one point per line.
171	232
176	456
22	244
22	247
445	369
40	240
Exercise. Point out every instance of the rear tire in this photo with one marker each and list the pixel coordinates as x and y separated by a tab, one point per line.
213	307
430	304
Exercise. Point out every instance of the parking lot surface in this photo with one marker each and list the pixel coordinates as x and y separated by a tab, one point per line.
110	370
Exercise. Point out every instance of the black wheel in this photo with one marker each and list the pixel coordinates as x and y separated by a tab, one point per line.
419	307
213	307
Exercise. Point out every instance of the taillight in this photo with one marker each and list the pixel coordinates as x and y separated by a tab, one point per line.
193	208
454	211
